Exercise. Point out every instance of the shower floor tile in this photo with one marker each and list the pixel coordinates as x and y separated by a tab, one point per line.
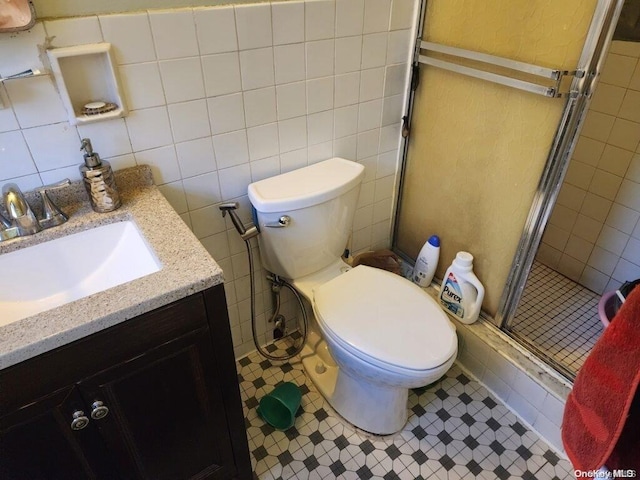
456	430
559	317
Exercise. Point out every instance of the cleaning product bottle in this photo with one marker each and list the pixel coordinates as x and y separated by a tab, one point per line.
427	261
461	293
98	180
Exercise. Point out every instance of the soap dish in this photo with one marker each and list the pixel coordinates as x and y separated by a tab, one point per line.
97	108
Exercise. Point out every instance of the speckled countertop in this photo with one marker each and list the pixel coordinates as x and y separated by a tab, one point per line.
187	268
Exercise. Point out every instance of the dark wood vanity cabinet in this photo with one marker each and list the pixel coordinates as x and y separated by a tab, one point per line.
155	397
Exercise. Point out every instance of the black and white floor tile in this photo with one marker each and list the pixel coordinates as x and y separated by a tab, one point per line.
558	316
456	430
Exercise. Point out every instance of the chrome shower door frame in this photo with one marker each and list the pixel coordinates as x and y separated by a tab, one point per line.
591	61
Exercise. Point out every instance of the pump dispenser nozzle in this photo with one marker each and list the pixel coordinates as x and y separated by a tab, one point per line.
91	159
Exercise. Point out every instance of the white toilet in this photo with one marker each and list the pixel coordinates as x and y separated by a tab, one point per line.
375	334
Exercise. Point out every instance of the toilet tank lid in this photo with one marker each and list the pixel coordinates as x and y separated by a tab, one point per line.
306	186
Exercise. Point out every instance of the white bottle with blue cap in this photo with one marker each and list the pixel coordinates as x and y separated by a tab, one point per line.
427	262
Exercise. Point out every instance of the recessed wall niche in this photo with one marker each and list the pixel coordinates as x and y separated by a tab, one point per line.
88	82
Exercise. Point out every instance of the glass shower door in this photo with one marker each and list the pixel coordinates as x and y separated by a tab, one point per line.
477	149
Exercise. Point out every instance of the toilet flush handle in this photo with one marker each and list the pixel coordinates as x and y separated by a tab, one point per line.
283	221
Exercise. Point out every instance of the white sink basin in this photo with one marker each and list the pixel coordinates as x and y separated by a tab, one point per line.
44	276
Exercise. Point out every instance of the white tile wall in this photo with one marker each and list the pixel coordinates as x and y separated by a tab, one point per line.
84	30
222	96
20	52
226	113
376	15
289	62
164	25
534	403
598	208
350	17
216	30
130	35
36	90
319	19
254	26
287	22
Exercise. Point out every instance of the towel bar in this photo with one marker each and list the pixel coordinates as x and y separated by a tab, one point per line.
542	74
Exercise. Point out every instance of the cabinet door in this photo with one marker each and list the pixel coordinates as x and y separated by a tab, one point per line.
37	441
166	418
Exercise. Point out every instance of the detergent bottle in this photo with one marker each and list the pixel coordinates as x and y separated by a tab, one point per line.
461	292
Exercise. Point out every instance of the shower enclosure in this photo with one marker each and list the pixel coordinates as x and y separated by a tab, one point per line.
494	119
591	244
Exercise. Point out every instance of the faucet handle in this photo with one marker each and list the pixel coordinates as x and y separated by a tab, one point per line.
4	222
54	186
52	215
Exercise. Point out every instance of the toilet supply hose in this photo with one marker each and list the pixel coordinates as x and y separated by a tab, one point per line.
247	234
280	282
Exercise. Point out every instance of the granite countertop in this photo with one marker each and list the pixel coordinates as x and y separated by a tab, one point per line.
187	268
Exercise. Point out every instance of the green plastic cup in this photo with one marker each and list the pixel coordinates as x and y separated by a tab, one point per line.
279	407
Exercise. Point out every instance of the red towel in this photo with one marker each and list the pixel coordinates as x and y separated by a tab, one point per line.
601	424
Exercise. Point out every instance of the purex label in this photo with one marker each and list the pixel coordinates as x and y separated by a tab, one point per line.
451	296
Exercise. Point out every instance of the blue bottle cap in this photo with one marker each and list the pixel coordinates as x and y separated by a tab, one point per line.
434	240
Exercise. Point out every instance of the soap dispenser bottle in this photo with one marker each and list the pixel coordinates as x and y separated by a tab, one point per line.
98	180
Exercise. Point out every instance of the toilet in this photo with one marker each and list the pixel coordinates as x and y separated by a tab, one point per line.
373	335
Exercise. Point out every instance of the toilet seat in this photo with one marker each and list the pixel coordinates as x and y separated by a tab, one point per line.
385	320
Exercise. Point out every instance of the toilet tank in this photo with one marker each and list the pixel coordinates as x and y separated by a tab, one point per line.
320	202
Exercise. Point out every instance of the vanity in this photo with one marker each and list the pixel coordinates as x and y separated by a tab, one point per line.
137	381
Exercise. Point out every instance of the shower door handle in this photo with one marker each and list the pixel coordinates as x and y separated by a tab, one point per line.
283	221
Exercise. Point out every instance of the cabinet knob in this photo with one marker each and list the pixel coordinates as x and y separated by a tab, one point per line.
79	421
98	410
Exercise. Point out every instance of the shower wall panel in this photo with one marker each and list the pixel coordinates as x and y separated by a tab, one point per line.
593	235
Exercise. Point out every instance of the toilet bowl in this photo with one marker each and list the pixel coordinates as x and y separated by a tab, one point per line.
373	334
385	335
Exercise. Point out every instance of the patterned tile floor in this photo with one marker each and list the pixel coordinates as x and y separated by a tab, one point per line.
558	317
456	430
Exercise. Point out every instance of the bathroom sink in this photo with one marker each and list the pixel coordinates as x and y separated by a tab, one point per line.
44	276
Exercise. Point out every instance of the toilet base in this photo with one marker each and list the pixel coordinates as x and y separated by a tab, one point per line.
371	407
319	365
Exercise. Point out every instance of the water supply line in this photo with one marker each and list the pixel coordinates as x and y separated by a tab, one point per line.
276	283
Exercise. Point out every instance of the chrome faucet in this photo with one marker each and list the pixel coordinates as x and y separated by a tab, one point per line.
20	214
21	220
